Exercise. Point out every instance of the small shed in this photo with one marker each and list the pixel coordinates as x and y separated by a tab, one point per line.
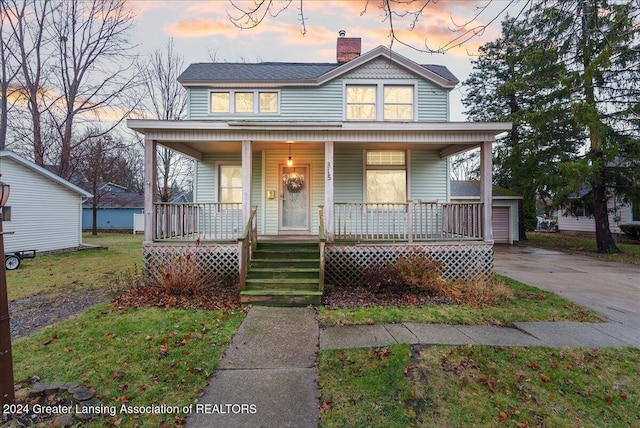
44	211
504	212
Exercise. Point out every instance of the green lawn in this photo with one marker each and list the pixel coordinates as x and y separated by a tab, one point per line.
138	356
71	272
629	253
446	386
528	304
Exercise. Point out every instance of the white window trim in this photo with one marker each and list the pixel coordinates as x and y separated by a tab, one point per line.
232	102
379	98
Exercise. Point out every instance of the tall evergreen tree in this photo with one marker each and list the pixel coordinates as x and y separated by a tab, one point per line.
508	84
597	41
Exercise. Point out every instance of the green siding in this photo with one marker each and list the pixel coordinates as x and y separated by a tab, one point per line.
433	103
428	176
347	172
513	203
323	103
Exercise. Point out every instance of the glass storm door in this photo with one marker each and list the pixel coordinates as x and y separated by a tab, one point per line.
294	208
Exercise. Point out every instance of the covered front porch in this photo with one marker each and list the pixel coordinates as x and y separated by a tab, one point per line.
333	207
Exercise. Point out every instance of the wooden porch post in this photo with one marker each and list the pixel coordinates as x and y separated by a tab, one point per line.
328	189
486	188
246	182
150	172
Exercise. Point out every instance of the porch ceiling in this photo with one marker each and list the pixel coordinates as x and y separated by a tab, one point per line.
196	138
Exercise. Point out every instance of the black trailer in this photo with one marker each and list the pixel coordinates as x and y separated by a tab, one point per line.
12	260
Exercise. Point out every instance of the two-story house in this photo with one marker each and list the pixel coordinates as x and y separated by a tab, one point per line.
352	155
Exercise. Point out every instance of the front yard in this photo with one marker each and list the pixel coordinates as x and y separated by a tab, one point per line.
144	356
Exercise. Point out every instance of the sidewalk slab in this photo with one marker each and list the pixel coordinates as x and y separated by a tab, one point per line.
401	334
282	398
355	336
629	335
499	336
571	334
274	338
438	334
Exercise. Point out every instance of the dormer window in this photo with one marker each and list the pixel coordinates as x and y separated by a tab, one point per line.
244	102
381	101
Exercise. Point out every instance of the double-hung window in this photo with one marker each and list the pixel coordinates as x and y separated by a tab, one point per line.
386	177
381	101
361	102
230	184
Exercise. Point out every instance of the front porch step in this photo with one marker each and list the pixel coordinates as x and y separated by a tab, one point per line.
284	263
285	253
284	274
288	283
281	297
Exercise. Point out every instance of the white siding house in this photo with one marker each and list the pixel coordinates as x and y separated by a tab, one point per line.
44	212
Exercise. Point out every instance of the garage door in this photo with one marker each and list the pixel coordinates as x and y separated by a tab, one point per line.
501	225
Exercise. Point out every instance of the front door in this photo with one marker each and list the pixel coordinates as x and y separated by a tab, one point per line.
295	190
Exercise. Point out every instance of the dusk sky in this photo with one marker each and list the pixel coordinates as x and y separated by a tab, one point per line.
202	29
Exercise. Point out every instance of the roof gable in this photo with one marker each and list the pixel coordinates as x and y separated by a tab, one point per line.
5	154
305	74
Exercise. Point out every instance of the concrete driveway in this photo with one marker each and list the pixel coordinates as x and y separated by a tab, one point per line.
612	289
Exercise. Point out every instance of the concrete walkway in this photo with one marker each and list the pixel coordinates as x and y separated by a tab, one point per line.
270	368
268	375
554	334
611	289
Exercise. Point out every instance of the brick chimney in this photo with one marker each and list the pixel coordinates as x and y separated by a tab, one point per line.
348	48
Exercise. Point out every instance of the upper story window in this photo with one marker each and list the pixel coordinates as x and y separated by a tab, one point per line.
244	102
361	102
398	103
380	102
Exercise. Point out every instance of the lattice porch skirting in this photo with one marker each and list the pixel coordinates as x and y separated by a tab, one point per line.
218	262
347	264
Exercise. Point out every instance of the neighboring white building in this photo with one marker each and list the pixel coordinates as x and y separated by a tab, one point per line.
44	211
578	217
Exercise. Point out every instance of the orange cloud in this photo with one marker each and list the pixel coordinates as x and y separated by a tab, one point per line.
200	28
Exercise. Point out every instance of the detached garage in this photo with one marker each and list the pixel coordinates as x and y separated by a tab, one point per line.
504	218
44	211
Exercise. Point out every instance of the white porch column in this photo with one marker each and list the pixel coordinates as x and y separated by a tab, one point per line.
150	172
328	189
246	181
486	188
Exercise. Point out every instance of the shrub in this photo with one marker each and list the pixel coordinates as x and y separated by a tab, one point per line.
419	271
182	276
631	230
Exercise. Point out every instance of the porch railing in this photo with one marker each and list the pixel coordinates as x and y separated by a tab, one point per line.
247	245
204	221
413	221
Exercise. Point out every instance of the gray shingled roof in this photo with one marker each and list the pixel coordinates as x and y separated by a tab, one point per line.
273	71
262	71
471	188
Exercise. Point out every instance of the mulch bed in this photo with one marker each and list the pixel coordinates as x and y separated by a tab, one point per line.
223	297
377	296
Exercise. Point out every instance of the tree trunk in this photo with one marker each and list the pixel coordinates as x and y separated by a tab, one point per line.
94	219
604	238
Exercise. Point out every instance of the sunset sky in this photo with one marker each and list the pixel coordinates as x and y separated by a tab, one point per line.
202	29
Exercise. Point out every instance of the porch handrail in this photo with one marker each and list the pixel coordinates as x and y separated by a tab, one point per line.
323	240
247	245
409	222
210	221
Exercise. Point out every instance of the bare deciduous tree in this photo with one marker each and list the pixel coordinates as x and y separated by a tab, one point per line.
247	15
28	22
93	66
165	99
